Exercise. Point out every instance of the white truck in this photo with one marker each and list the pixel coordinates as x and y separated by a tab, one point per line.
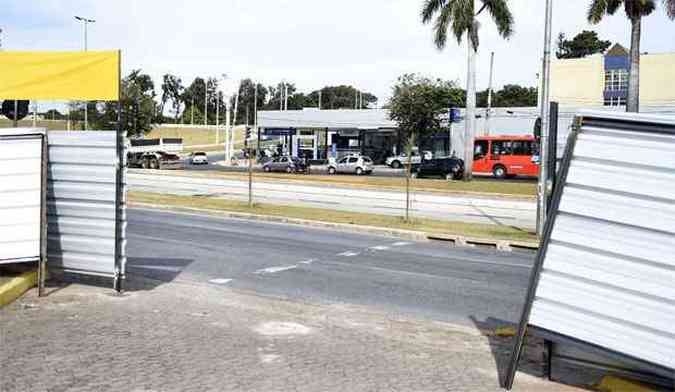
155	153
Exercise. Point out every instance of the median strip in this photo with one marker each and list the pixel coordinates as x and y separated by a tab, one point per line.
392	226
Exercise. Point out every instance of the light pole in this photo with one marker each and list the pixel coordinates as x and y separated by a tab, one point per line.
542	190
85	22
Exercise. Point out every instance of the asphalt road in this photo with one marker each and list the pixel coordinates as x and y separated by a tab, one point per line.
459	208
421	279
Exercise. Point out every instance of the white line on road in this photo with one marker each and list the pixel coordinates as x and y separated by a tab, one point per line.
157	267
400	243
348	254
273	270
220	281
379	247
307	262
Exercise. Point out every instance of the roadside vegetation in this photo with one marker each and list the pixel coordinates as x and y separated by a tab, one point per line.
432	227
487	186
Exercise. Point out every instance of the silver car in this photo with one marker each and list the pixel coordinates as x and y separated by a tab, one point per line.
352	164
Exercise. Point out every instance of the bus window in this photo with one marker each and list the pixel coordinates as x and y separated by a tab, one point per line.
522	147
480	149
501	148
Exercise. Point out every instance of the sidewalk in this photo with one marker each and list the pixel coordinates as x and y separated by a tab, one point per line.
185	337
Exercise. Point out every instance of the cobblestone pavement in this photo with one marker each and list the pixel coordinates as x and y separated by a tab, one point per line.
186	337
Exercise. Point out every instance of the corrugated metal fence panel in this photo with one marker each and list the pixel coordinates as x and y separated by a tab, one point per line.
82	202
20	194
608	277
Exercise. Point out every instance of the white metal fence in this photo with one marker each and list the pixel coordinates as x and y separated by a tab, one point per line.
86	203
20	194
606	272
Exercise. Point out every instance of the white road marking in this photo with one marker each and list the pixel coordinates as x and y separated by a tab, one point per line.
379	247
273	270
281	328
348	254
307	262
157	267
400	243
220	281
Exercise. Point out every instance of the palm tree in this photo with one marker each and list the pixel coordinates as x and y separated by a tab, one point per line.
635	10
459	16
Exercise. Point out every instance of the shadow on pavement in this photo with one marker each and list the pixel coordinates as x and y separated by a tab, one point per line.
142	274
147	273
534	358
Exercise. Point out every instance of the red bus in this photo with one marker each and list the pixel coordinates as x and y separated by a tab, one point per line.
506	156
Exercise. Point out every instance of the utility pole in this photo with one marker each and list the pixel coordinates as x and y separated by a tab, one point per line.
470	118
217	116
234	121
86	22
488	111
281	96
250	155
206	102
319	99
285	96
543	191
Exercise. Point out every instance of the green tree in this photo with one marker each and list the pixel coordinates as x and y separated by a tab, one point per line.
172	90
137	102
634	10
418	103
247	98
459	17
583	44
510	95
340	97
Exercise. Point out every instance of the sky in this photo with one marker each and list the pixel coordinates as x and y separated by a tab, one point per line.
312	43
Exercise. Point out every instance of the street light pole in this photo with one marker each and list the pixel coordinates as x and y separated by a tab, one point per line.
86	22
489	100
542	189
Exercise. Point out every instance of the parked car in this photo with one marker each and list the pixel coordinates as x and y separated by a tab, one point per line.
398	161
450	168
199	158
352	164
285	164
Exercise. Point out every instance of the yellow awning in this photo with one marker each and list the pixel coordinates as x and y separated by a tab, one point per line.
85	76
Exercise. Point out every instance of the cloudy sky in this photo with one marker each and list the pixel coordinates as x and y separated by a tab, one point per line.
366	43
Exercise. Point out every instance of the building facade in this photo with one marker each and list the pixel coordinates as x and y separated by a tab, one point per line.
602	80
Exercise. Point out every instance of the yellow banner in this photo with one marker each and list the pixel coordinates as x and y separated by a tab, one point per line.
85	76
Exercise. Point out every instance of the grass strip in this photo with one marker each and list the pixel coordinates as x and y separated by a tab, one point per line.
333	216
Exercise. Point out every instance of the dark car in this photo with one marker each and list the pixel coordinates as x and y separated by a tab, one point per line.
449	168
285	164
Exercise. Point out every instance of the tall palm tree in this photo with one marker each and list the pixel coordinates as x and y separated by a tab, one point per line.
459	16
635	10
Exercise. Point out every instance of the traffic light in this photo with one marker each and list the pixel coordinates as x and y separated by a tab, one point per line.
537	128
8	106
249	133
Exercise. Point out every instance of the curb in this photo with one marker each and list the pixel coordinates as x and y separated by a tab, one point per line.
458	240
16	287
616	384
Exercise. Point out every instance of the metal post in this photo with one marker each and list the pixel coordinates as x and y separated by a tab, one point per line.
16	114
217	117
42	263
285	97
250	155
488	111
470	118
206	103
319	99
552	149
543	191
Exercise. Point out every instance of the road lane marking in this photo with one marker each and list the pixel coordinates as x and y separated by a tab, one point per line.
274	270
379	247
400	243
307	262
157	267
348	254
220	281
